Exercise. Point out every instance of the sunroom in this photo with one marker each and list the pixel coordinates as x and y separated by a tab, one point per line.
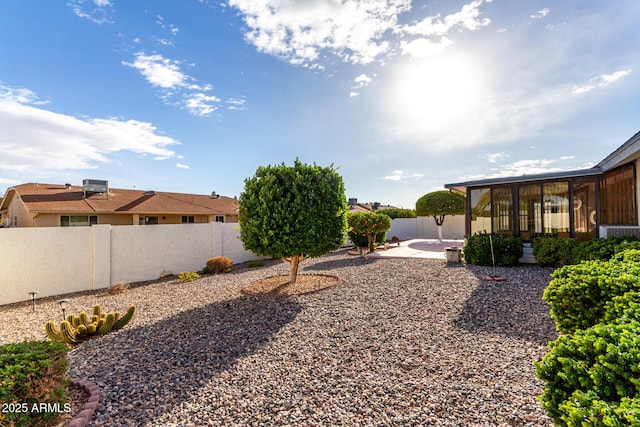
588	203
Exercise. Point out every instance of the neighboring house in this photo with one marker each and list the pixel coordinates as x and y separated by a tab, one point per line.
588	203
49	205
354	206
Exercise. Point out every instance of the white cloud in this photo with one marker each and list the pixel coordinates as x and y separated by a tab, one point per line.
494	157
182	166
34	138
353	94
362	80
299	31
400	175
541	13
531	167
601	81
355	31
177	87
100	12
238	104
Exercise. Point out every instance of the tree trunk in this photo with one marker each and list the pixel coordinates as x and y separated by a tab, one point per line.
293	268
372	242
440	232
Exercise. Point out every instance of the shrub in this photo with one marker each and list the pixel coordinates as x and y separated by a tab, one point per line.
32	372
361	241
117	288
507	250
623	308
578	294
188	276
219	264
553	251
369	225
591	376
603	249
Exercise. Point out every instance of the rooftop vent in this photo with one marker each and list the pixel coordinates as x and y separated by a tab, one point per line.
353	201
149	193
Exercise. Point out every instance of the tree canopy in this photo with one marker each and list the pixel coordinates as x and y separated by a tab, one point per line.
369	224
293	212
438	204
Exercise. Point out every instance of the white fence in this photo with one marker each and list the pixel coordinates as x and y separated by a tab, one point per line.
60	260
56	260
424	227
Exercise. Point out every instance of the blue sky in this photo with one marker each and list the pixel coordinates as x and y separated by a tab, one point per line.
403	96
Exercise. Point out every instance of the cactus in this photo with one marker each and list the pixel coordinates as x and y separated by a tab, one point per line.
78	328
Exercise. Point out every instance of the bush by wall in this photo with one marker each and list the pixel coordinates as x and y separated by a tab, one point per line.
31	372
507	250
552	251
361	241
578	294
591	376
603	249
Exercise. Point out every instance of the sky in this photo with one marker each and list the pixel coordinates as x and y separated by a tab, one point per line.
400	96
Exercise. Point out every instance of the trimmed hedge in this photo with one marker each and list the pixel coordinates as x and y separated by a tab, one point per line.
32	373
551	251
603	249
592	376
363	241
578	294
507	250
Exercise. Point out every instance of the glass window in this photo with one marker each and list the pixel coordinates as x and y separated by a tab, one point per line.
219	218
77	220
556	208
584	209
188	219
530	213
502	200
480	200
618	197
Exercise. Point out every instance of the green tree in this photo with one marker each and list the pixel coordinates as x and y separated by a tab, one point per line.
398	213
293	212
438	204
369	224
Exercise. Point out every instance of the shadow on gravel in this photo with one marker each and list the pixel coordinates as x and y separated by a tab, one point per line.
512	308
330	264
174	357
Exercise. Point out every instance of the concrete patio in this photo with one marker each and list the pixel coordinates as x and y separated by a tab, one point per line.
417	248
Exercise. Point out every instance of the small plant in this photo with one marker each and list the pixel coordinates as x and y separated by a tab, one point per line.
603	249
31	372
81	327
188	276
506	250
255	263
370	226
219	264
117	288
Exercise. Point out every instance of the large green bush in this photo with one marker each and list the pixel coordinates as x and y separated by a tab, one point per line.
398	213
31	373
623	309
293	212
592	376
578	294
507	250
552	251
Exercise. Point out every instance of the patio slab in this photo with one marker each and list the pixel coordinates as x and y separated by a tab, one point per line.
417	248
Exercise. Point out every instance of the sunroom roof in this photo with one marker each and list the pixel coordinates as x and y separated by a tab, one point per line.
549	176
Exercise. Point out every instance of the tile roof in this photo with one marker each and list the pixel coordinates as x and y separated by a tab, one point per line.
60	198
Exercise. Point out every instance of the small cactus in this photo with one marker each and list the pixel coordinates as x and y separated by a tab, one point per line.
78	328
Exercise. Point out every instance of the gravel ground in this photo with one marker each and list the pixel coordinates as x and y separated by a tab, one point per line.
397	342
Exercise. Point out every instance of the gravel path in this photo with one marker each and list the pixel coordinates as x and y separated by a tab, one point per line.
398	342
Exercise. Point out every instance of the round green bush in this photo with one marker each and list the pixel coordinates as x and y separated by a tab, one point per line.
577	294
361	241
506	250
551	251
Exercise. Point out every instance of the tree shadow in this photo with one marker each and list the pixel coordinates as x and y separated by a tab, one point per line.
177	355
331	263
512	308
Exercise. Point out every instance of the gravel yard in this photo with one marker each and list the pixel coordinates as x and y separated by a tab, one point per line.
397	342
